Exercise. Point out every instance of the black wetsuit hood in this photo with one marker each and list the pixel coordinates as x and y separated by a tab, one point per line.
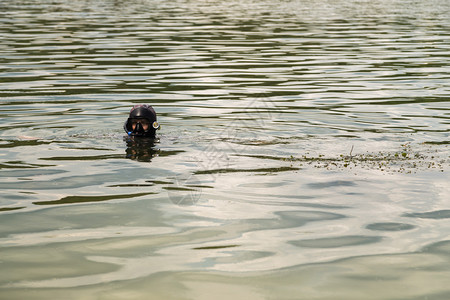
142	111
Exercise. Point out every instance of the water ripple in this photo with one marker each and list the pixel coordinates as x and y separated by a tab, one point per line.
303	143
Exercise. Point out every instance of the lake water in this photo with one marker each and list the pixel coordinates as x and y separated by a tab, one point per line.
303	150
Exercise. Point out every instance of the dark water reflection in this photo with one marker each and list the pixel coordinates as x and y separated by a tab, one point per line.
141	149
303	150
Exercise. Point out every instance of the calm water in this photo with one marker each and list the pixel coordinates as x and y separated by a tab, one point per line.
303	152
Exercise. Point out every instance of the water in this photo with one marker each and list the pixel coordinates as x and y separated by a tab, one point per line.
303	152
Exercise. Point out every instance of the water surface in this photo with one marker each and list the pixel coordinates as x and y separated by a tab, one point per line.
303	152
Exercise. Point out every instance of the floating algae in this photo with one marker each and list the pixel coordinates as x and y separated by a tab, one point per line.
405	160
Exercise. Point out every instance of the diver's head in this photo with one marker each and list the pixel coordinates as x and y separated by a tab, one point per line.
141	121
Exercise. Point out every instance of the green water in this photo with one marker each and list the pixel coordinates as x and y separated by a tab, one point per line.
303	152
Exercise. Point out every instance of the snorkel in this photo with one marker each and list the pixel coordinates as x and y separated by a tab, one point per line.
141	122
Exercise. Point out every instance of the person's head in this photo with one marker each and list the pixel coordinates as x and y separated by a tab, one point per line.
141	121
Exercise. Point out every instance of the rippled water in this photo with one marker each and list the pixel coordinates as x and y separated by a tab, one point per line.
303	152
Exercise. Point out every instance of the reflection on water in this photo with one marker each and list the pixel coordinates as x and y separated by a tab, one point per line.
304	150
141	149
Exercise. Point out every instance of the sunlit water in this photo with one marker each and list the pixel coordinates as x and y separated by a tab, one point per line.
303	152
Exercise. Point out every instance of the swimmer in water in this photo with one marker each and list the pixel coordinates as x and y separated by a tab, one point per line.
141	122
